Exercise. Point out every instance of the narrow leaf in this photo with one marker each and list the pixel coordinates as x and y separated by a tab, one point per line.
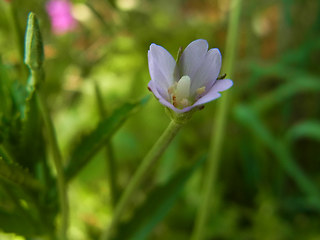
94	141
250	120
298	85
109	151
15	173
307	129
13	222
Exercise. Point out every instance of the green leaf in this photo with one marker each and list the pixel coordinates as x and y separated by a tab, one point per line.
91	143
13	222
12	172
21	96
307	129
23	139
250	120
298	85
111	163
32	145
156	206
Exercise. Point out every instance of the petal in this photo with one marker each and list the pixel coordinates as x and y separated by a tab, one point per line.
158	91
177	110
208	71
192	57
219	86
161	66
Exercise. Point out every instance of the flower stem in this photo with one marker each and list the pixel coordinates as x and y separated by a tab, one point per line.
147	163
57	158
218	129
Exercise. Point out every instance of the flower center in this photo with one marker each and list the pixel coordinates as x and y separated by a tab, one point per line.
180	95
179	92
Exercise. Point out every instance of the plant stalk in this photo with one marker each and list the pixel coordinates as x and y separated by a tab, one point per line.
57	158
147	163
219	125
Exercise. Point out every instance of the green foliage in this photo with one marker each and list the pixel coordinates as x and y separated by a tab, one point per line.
95	140
301	83
4	91
251	121
307	129
156	206
16	174
17	223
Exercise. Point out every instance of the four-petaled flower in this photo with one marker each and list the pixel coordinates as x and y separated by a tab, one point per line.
191	81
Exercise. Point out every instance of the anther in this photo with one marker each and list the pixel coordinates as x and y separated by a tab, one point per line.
201	90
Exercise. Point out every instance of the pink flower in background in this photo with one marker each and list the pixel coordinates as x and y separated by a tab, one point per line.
60	15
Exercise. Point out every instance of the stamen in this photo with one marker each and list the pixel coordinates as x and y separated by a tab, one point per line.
201	90
174	101
172	88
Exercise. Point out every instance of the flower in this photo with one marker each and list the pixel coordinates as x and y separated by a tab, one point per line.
191	81
60	15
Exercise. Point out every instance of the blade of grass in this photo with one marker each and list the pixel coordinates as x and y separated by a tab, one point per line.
110	161
308	128
250	120
298	85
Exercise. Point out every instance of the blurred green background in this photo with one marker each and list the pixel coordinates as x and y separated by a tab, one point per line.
268	179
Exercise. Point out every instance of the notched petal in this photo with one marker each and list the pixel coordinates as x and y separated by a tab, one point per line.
208	71
222	85
192	57
161	65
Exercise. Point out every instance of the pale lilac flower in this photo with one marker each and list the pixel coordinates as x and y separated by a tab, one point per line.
191	81
60	15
